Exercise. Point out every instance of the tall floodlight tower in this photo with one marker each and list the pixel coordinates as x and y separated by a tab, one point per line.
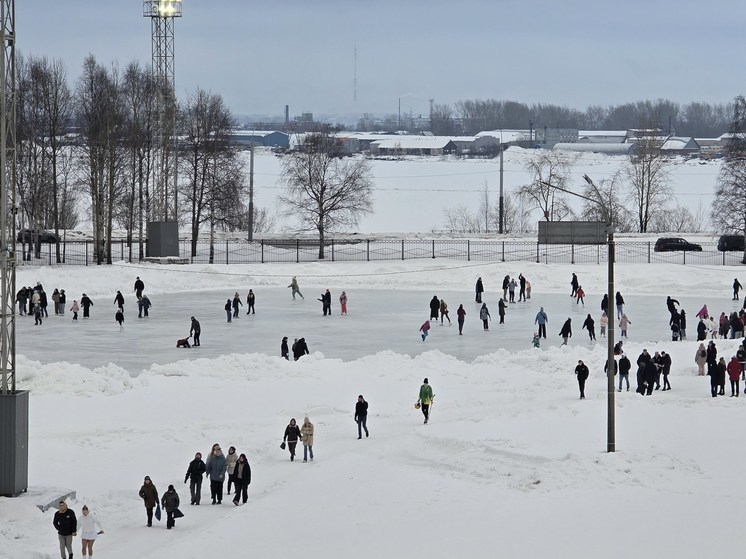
13	402
163	229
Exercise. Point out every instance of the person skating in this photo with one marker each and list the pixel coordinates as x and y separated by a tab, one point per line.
624	324
149	495
294	286
195	330
143	306
619	300
506	284
542	320
291	436
38	314
682	324
590	324
361	416
250	302
736	288
425	330
326	303
306	432
582	373
479	289
89	527
56	300
300	348
444	312
75	309
434	307
194	473
425	399
522	287
119	301
119	317
228	307
603	322
566	331
624	368
215	469
461	316
236	303
501	310
343	302
511	289
574	284
675	324
671	304
703	313
580	294
284	352
734	372
86	303
484	316
605	303
242	479
536	340
139	287
63	301
66	524
170	502
230	465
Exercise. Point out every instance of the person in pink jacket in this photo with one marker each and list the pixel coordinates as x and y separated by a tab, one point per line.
604	322
343	302
425	329
734	371
703	312
75	310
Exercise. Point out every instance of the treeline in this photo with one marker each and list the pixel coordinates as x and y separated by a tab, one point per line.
703	120
86	150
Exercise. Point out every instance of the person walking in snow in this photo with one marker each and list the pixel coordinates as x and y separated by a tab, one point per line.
484	316
736	288
542	320
292	434
284	352
236	303
479	289
501	310
425	398
250	300
511	289
139	287
703	313
215	469
230	465
734	372
701	330
86	303
522	292
306	433
682	324
170	502
89	527
461	316
700	358
119	301
242	475
294	286
195	330
574	284
605	303
624	368
444	312
66	524
300	348
425	330
343	302
566	331
582	373
619	300
590	324
434	307
75	308
603	322
194	473
361	416
623	325
119	317
149	495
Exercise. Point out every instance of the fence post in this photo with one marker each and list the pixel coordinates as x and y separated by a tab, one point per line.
572	253
468	250
723	258
86	253
367	250
433	248
598	254
537	253
297	250
402	249
332	250
684	258
648	252
226	252
503	251
262	251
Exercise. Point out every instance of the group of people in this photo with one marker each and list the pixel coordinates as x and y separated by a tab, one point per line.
304	433
68	525
33	301
718	369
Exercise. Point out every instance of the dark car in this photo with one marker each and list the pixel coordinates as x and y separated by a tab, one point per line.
29	236
727	243
666	244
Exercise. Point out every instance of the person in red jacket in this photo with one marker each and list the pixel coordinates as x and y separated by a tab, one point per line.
460	313
734	371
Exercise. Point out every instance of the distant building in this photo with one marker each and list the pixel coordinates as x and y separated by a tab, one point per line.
607	149
266	138
415	145
602	136
680	146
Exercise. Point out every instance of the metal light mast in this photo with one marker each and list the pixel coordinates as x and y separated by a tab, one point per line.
7	197
162	14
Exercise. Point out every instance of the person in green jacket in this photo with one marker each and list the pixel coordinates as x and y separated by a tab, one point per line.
425	399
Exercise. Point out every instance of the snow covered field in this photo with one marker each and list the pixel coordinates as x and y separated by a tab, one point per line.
512	464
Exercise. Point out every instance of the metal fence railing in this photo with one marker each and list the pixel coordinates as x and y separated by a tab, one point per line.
82	253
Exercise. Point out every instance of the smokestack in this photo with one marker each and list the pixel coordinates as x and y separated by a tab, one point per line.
287	114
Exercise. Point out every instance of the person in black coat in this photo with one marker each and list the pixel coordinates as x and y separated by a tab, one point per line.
736	288
642	362
671	304
236	303
651	376
624	367
590	324
506	284
665	369
139	287
66	524
170	502
242	479
326	303
434	307
582	373
701	331
522	292
43	302
250	300
195	330
86	303
619	304
119	300
479	289
194	474
300	348
361	416
574	284
605	303
501	310
63	301
284	352
566	331
292	434
119	317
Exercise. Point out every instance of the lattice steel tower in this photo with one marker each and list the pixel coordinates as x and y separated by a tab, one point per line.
7	197
162	14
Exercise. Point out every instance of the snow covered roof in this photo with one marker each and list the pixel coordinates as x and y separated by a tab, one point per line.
678	143
605	133
613	148
255	133
506	135
417	142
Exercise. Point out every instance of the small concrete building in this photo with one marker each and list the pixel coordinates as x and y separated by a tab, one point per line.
415	145
266	138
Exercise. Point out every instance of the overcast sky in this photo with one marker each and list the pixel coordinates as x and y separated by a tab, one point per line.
263	55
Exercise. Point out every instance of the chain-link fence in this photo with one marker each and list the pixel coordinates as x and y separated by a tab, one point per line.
81	253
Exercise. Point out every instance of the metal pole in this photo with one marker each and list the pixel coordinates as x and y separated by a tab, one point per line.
610	420
251	192
502	201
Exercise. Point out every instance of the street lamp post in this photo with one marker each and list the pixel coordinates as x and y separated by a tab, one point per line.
610	396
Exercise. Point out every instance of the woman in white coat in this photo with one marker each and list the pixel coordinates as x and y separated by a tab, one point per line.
89	527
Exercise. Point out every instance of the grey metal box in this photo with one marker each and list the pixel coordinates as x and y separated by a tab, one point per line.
163	239
14	421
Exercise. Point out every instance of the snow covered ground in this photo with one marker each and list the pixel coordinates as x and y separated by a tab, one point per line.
511	464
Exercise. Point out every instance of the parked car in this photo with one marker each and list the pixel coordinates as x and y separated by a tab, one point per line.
667	244
727	243
28	236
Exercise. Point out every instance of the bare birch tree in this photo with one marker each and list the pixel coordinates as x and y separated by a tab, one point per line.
550	171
